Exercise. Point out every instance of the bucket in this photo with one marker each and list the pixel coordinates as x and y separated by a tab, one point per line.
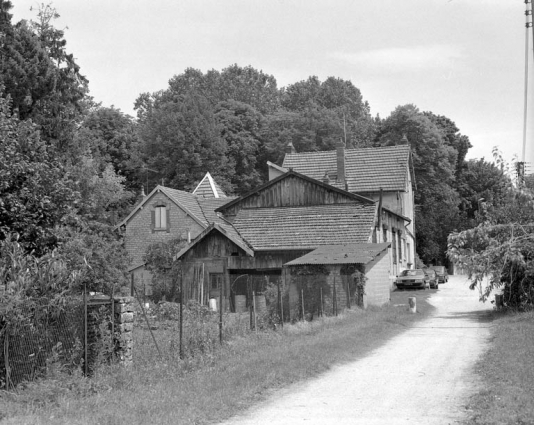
240	303
213	304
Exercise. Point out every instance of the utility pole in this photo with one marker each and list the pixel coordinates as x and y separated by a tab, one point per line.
528	24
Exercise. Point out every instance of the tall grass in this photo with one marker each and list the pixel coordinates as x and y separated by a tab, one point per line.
507	372
211	386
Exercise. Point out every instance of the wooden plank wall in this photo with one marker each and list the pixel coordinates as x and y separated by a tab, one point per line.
290	192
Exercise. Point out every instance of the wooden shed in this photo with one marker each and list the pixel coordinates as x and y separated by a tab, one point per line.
333	277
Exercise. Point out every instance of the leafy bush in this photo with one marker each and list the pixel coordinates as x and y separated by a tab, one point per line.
499	253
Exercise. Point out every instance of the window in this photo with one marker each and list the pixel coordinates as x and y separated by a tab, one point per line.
161	218
216	280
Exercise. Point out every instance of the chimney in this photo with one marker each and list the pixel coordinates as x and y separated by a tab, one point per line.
141	197
290	148
340	150
404	140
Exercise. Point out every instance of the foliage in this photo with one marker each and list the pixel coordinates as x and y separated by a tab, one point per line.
102	190
499	252
166	273
182	141
240	128
434	162
96	248
43	80
34	191
338	104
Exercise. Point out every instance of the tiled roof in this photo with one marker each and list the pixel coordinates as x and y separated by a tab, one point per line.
366	170
305	227
186	200
201	209
209	205
209	188
361	253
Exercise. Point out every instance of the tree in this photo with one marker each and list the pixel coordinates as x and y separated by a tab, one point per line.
337	101
182	141
34	192
434	163
481	185
166	273
42	79
112	137
240	126
242	84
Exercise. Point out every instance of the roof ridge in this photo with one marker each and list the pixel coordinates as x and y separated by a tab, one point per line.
341	204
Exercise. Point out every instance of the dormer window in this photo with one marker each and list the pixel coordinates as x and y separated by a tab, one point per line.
160	218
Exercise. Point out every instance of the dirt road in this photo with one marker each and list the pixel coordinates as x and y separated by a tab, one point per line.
422	376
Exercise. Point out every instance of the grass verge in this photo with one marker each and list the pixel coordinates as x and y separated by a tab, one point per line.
239	374
507	372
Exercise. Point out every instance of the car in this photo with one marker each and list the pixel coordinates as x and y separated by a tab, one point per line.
412	278
441	271
433	278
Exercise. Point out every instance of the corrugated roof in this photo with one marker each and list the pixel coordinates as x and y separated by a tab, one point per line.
361	253
305	227
366	169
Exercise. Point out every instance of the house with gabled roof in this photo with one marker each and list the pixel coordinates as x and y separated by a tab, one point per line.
279	222
165	214
384	174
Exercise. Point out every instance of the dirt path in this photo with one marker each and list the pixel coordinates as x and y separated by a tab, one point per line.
423	376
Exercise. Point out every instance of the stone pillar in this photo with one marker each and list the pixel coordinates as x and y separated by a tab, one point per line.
124	318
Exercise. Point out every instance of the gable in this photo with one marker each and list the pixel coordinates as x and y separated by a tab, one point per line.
184	200
292	190
209	188
366	170
216	240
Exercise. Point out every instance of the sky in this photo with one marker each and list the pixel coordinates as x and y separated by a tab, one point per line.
464	59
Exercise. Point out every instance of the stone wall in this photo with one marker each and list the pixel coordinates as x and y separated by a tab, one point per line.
102	346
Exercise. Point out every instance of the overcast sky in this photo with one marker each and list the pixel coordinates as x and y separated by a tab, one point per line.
460	58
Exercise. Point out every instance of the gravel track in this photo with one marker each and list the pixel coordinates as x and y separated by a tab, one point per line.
423	376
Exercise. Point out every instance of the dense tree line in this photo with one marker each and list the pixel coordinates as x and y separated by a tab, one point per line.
70	168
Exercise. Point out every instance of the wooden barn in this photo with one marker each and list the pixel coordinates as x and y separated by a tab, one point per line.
246	247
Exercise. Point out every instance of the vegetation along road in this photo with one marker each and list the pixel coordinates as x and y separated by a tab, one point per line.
423	376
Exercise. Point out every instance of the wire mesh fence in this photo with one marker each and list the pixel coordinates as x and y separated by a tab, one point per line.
36	335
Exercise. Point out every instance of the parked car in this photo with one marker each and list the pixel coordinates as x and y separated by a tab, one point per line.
441	271
433	278
412	278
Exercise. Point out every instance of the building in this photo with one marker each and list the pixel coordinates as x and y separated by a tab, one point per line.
281	221
165	214
384	174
